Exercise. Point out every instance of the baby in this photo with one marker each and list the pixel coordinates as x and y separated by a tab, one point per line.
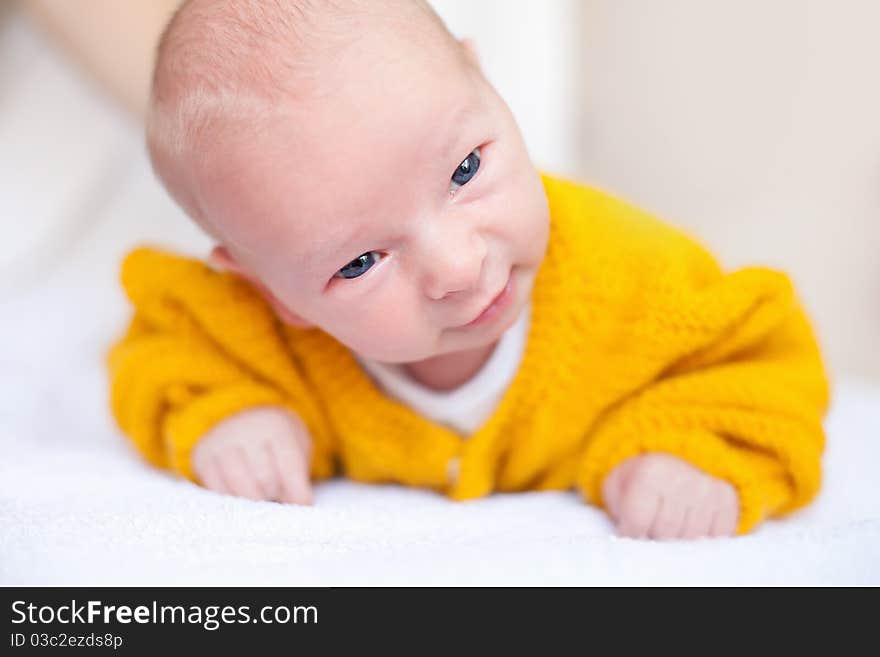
398	295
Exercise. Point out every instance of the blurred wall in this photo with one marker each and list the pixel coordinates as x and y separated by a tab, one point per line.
757	126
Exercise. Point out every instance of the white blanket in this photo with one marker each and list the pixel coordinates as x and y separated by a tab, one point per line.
76	508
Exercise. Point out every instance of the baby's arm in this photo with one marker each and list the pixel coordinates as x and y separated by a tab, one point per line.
734	384
203	367
115	42
664	497
260	453
747	411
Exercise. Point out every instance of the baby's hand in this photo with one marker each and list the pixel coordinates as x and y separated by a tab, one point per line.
664	497
261	454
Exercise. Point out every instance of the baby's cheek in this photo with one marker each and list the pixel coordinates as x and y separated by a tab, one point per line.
385	331
526	219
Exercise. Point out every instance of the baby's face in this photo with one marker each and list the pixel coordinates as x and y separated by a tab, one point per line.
390	209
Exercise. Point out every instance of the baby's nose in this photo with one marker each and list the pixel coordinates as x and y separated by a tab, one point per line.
454	267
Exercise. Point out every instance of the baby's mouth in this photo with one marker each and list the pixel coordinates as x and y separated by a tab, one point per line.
497	306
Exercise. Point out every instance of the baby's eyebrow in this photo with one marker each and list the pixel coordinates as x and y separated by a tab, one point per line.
457	117
337	248
319	257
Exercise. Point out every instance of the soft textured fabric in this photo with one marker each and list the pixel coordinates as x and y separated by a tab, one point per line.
77	509
638	342
466	407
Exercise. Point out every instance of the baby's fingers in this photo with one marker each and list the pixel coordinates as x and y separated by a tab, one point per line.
614	484
727	514
237	476
208	474
694	495
260	462
670	519
637	513
292	468
699	521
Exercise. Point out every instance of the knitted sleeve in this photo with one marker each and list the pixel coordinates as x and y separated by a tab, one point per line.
201	346
740	392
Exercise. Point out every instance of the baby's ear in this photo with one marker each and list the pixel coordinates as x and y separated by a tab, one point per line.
221	259
470	48
286	315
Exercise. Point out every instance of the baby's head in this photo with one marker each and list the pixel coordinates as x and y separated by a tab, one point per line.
352	162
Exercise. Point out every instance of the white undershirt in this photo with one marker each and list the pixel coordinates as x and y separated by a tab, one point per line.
463	409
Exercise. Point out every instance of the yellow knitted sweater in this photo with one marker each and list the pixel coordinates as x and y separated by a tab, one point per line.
638	342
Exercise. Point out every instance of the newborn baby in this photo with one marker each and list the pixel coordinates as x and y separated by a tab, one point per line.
398	295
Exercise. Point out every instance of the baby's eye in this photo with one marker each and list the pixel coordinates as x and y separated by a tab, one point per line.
466	170
357	267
